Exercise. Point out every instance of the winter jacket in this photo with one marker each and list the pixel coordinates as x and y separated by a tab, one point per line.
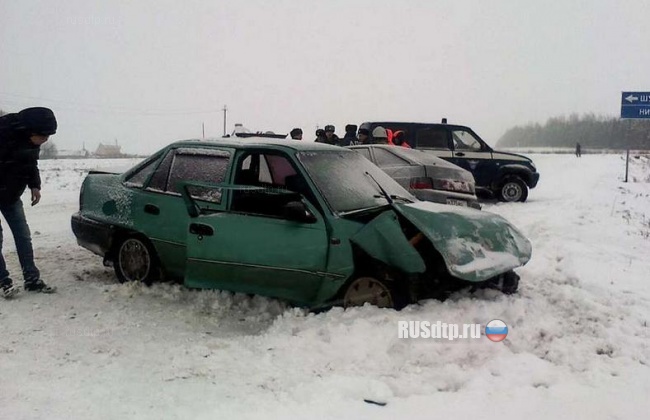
18	160
350	139
335	140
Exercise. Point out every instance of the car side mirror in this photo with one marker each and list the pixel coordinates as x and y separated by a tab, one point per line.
297	211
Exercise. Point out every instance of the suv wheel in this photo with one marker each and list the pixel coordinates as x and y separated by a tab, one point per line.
513	189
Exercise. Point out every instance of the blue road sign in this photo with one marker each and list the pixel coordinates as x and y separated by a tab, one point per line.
635	105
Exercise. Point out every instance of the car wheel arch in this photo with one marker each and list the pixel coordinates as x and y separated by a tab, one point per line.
506	171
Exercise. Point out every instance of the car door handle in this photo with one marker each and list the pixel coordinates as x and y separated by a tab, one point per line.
201	229
151	209
460	154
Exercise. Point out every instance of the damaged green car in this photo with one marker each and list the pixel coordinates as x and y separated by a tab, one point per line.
312	224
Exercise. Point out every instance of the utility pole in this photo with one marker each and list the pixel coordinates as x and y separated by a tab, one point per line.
203	128
225	110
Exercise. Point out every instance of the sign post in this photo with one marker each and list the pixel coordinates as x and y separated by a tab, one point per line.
635	105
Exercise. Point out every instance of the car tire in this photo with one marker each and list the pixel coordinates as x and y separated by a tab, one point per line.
367	289
507	283
513	189
136	260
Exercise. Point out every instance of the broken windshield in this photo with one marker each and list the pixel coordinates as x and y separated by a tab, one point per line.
343	179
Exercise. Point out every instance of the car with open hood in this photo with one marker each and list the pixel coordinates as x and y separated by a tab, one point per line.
312	224
506	176
424	175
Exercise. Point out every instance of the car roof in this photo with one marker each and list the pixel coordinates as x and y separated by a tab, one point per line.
413	155
257	142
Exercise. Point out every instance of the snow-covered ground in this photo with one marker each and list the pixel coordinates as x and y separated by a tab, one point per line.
578	344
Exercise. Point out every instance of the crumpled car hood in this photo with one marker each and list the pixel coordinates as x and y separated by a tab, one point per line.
475	245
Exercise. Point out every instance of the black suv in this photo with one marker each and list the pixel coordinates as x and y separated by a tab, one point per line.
507	176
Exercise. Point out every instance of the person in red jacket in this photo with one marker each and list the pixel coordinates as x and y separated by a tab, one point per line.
399	139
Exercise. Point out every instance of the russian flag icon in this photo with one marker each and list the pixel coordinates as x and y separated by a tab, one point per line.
496	330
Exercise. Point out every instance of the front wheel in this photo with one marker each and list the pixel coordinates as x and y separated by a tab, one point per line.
513	189
369	290
507	283
136	260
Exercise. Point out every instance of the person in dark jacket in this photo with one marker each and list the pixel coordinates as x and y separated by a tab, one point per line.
363	136
350	138
296	134
21	135
320	136
330	137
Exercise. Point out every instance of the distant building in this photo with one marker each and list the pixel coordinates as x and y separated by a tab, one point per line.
73	154
108	151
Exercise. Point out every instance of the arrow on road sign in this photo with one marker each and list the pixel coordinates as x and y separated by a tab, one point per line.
631	98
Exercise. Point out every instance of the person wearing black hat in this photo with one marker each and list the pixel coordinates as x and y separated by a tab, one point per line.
21	136
320	136
363	136
296	134
330	137
350	138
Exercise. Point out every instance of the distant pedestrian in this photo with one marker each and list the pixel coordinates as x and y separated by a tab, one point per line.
350	137
21	136
379	135
578	150
320	136
363	137
399	139
330	137
296	134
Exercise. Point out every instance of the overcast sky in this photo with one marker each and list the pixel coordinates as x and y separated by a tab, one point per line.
150	72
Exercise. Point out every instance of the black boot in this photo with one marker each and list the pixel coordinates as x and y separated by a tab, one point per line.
7	288
38	286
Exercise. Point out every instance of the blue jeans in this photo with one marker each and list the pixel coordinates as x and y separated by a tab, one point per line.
14	214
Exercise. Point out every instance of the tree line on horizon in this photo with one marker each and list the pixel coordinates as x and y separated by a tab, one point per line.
590	130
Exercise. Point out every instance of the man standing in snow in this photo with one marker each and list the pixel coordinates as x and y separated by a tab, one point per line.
578	150
21	136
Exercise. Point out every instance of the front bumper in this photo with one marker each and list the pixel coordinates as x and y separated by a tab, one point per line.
446	197
92	235
534	179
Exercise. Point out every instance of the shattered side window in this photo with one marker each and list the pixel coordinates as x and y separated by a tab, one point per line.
197	167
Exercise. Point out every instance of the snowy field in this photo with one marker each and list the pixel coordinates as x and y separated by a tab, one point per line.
578	344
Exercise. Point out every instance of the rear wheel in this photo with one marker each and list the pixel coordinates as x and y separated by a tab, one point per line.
136	260
513	189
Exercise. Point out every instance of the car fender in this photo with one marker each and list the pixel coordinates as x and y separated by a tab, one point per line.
513	169
475	245
382	239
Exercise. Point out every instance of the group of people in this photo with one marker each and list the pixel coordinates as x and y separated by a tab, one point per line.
352	137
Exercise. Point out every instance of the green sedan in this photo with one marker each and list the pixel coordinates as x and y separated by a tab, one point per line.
309	223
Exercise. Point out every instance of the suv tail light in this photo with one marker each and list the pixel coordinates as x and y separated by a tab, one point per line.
421	183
